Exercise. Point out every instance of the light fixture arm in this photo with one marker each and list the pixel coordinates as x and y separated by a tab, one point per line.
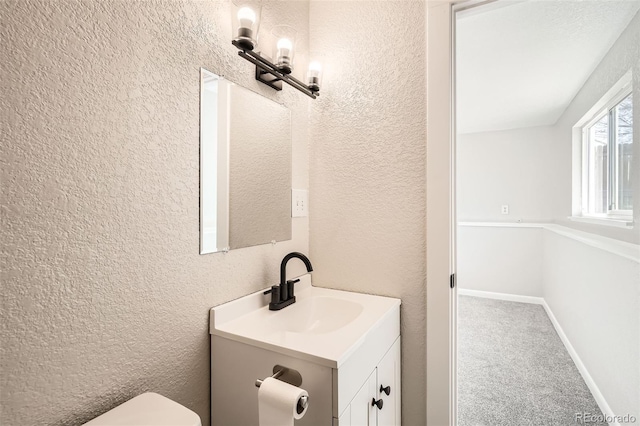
269	74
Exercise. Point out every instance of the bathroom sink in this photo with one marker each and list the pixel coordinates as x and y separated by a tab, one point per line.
316	315
325	326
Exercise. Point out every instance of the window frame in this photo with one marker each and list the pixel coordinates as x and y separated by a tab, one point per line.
607	109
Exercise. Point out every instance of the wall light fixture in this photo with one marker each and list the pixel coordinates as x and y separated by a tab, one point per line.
245	21
245	17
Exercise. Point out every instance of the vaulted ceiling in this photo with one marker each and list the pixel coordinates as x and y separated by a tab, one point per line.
520	63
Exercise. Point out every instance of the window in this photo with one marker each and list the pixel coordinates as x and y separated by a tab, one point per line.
606	161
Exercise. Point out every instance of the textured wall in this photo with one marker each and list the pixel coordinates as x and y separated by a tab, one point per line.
104	294
367	165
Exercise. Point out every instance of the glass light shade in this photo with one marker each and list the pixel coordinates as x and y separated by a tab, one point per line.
245	23
284	49
314	75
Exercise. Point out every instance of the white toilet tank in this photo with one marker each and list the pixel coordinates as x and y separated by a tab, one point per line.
148	409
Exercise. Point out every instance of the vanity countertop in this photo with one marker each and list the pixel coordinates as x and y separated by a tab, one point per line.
324	326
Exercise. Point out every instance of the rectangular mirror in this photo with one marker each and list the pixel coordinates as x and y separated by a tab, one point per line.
245	167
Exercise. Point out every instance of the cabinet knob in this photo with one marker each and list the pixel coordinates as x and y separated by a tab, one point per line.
377	403
386	390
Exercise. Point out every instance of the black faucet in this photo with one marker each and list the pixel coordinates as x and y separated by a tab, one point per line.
282	295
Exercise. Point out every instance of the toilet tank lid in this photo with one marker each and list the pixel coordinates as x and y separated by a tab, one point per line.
148	409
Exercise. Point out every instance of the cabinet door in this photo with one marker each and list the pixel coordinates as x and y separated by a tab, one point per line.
363	413
345	418
388	372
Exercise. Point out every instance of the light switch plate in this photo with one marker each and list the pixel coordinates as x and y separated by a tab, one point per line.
299	203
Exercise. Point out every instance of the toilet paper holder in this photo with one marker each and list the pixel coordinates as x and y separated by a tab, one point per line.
287	375
291	376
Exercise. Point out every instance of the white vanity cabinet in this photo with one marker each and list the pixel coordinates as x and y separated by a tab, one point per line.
386	377
344	345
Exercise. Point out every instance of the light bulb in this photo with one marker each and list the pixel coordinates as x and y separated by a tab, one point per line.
284	55
246	16
245	38
313	76
285	43
315	66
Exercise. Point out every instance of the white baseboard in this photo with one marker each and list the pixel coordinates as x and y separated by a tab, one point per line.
591	384
501	296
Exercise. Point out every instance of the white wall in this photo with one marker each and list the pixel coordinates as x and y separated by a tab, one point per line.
595	296
505	167
500	259
367	165
623	56
104	293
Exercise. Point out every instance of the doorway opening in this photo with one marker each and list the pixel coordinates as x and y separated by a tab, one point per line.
548	291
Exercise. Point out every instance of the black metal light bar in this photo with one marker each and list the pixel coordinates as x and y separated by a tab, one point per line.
269	74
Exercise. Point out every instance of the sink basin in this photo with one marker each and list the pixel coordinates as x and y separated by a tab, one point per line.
316	315
324	325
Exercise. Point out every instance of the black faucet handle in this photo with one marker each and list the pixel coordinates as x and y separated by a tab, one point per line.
275	293
289	286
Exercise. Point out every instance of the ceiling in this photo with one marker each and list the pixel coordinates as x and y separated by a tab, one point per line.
520	63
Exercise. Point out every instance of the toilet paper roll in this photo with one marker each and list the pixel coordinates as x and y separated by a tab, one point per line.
277	403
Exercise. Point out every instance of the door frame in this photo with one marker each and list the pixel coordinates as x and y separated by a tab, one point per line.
441	324
441	315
